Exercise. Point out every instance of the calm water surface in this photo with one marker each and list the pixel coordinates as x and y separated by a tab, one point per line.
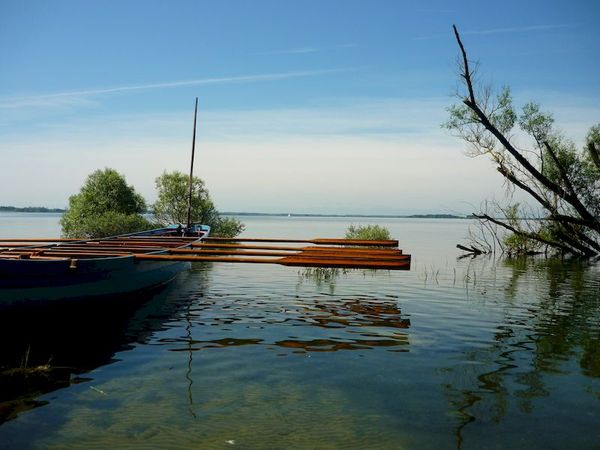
470	353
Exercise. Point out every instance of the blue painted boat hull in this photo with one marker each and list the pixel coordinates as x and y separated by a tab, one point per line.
93	278
24	281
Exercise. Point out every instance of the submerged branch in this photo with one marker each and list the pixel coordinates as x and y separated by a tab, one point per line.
532	236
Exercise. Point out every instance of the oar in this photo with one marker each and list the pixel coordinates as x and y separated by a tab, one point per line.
345	263
287	261
159	237
311	248
85	254
301	254
116	251
343	255
229	249
142	243
318	241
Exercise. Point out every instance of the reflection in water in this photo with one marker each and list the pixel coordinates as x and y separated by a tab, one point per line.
376	322
51	346
321	276
551	316
254	356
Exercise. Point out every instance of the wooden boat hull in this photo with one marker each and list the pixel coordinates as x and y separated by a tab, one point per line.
23	281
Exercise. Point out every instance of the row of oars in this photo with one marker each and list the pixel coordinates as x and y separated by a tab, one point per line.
333	253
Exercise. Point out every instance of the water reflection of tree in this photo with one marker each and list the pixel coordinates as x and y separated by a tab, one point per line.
321	276
366	323
377	322
327	277
551	315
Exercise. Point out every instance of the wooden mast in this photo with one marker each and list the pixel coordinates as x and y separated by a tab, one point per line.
189	214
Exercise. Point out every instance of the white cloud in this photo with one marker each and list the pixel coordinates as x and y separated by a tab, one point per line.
368	156
343	156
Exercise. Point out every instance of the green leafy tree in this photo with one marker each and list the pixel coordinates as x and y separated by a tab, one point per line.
106	205
562	182
368	233
172	205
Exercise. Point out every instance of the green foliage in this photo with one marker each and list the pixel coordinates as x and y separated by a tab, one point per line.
592	156
105	206
110	224
536	123
464	122
172	205
517	243
368	232
564	182
227	227
556	158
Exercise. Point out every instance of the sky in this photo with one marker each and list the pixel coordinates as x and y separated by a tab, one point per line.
313	106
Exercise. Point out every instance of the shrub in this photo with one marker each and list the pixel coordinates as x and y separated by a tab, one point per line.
368	233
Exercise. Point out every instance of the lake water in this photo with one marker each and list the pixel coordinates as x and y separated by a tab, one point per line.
455	353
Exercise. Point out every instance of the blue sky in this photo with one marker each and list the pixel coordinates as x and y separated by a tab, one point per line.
312	106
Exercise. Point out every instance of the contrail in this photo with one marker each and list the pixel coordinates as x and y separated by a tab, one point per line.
43	98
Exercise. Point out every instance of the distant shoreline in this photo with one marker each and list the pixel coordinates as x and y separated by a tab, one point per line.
41	209
365	216
31	209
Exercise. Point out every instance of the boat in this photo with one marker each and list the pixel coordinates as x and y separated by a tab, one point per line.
43	270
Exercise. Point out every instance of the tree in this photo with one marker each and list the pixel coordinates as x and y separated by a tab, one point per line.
105	206
564	183
368	233
172	205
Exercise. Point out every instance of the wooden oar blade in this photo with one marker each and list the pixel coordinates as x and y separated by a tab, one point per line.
346	263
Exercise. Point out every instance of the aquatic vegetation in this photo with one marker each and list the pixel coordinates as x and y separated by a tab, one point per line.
368	232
